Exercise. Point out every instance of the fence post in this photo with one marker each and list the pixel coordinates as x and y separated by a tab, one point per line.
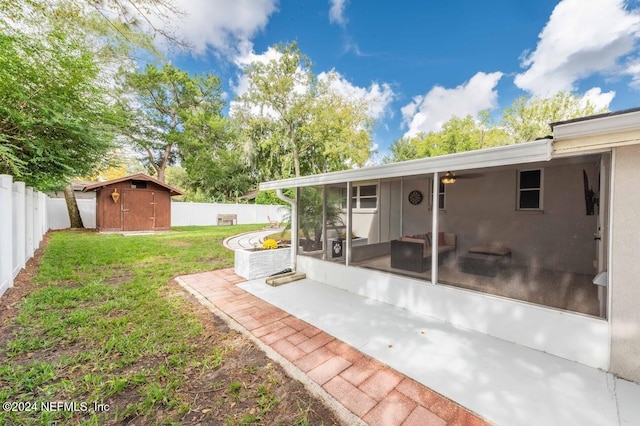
36	220
28	223
46	213
19	232
6	233
42	201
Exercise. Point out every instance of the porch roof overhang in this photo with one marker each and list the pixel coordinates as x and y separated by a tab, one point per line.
526	152
596	133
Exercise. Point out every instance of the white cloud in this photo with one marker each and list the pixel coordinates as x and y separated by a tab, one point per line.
336	13
633	69
597	98
580	39
377	96
245	57
221	24
429	112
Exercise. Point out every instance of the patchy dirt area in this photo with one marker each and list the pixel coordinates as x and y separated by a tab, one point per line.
222	378
247	383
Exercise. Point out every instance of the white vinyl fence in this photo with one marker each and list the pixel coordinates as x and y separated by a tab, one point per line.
23	223
187	214
182	214
59	214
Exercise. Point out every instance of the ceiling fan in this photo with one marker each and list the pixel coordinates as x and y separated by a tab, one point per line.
450	177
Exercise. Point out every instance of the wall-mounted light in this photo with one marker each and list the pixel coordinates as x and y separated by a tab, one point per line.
115	195
448	178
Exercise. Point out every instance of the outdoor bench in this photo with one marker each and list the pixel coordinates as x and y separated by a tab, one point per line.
227	219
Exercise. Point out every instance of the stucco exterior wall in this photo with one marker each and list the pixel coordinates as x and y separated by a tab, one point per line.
416	219
384	223
625	265
483	210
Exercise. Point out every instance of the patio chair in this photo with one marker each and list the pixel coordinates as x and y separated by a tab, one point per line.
273	223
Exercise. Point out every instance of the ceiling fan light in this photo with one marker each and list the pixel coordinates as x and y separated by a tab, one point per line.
448	178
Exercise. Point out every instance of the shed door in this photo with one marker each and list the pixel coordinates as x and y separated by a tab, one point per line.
138	210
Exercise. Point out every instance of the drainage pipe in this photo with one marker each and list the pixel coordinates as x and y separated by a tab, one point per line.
294	226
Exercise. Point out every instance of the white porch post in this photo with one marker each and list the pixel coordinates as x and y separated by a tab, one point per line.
294	224
434	229
401	204
349	224
325	242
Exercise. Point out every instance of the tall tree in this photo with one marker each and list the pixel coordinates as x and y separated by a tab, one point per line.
55	118
528	118
214	163
456	135
402	149
338	133
164	99
295	124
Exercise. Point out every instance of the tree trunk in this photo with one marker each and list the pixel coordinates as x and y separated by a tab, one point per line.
72	207
160	172
294	151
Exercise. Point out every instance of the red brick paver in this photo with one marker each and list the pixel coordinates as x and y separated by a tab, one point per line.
376	393
391	411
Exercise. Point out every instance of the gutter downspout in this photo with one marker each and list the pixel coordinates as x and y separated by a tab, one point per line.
294	226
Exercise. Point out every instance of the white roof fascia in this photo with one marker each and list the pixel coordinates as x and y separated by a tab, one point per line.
526	152
597	126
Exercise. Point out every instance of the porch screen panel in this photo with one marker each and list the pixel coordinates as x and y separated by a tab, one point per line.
310	221
523	233
335	205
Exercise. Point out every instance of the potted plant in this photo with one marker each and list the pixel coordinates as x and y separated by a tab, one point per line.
259	262
310	217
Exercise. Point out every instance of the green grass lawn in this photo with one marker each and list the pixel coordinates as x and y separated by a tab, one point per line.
103	325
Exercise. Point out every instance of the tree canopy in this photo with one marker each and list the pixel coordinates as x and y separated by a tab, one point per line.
528	118
295	124
525	120
164	101
55	116
214	161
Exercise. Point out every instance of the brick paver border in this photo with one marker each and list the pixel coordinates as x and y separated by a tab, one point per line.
370	390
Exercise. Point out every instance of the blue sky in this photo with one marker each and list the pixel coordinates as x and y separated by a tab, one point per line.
421	62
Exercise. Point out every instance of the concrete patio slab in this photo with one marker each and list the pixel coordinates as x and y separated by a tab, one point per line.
505	383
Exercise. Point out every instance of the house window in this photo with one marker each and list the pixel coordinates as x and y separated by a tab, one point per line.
362	197
441	196
138	184
530	189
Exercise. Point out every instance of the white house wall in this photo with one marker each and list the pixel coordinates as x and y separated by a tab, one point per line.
365	224
416	219
483	211
625	264
560	237
384	223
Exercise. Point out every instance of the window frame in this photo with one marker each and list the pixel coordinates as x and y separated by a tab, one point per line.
356	200
442	192
539	188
